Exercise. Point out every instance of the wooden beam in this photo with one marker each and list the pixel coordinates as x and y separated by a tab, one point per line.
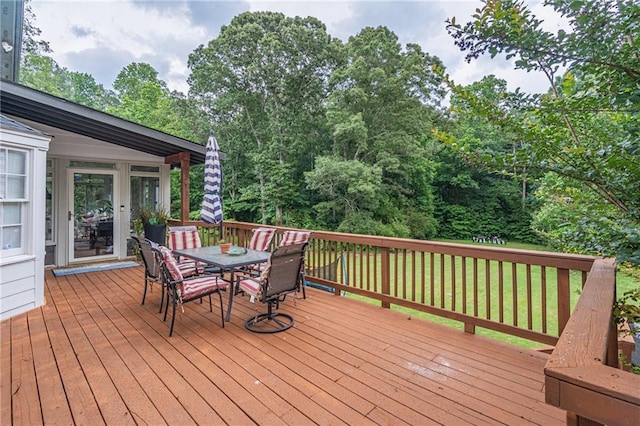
184	159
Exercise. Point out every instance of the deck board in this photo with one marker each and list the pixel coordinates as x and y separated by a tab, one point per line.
94	355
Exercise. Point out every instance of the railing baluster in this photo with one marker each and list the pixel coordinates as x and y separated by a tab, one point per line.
543	296
529	299
514	293
432	278
564	301
500	291
423	276
453	283
475	287
464	284
442	289
487	285
385	274
413	275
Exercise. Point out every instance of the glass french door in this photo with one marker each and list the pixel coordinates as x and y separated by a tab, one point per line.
91	219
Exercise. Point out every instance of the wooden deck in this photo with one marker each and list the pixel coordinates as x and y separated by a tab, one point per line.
93	355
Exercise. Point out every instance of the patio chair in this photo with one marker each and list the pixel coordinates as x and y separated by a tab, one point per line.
281	277
151	259
183	237
261	238
182	290
261	241
296	237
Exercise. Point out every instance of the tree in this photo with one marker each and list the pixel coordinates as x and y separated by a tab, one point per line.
472	200
586	127
347	186
263	82
380	112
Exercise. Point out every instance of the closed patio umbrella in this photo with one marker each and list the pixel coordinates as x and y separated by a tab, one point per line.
211	211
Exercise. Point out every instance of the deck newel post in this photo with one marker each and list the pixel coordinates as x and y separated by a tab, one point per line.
184	159
386	274
564	299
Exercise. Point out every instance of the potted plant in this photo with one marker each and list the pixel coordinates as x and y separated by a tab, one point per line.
224	246
154	224
626	309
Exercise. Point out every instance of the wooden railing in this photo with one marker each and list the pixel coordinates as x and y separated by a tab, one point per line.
581	375
528	294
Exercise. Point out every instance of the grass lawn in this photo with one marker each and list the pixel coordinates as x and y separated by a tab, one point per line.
625	280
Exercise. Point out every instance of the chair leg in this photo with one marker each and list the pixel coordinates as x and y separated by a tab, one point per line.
173	318
144	292
210	304
166	306
221	310
163	290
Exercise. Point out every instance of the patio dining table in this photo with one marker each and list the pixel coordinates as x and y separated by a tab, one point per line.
213	256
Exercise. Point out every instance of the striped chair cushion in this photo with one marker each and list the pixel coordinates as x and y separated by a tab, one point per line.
250	286
187	239
171	264
261	238
184	239
194	287
186	269
294	237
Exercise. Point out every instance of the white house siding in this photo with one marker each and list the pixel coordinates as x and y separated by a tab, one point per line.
22	275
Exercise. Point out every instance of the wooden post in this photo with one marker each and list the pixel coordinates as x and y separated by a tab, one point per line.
386	274
184	159
564	299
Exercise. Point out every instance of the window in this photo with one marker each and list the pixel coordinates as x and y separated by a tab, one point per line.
13	200
49	213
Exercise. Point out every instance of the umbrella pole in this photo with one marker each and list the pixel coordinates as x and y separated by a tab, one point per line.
221	202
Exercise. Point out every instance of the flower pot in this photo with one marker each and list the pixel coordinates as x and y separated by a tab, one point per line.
224	248
156	233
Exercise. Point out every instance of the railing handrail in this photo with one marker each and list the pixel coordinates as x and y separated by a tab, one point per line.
540	258
580	376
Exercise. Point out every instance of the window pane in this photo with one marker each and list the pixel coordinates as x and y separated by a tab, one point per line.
11	214
3	161
17	162
11	237
92	165
48	207
15	186
3	186
154	169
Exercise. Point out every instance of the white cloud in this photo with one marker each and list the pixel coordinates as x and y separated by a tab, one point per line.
102	37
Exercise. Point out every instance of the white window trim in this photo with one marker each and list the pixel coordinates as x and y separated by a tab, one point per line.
25	202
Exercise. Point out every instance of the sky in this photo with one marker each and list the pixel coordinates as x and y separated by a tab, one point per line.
101	37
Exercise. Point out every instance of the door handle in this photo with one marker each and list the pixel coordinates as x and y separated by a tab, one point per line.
70	216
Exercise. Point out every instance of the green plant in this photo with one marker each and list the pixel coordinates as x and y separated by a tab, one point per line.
627	309
150	217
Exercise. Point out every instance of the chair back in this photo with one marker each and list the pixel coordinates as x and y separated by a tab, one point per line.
150	257
294	237
284	272
170	265
183	237
261	238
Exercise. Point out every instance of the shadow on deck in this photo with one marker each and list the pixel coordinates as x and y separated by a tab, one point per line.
94	355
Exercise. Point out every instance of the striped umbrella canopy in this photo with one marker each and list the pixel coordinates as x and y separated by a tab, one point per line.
211	211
